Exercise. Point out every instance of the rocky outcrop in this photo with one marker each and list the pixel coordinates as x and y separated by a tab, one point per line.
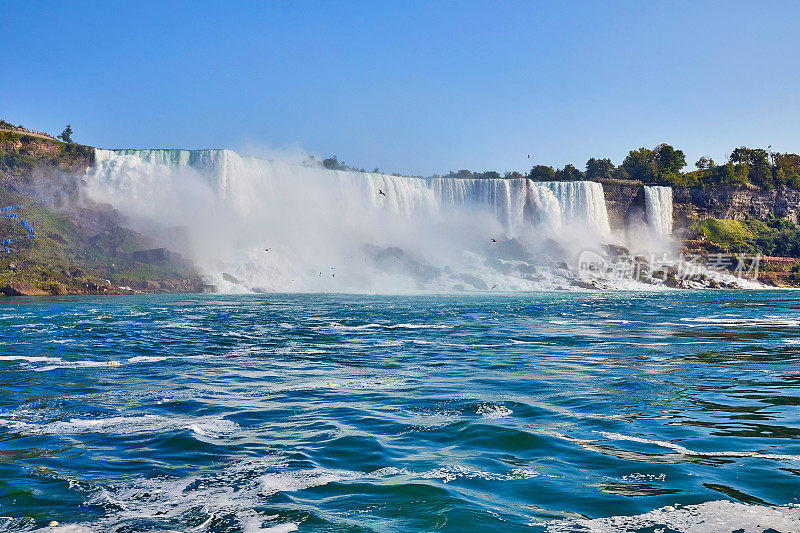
20	288
734	202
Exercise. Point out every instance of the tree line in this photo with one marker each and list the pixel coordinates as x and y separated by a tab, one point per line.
663	165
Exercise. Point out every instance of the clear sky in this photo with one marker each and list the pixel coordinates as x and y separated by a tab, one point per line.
414	87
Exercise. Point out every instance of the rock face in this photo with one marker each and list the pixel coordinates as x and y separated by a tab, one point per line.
624	202
159	255
20	288
734	202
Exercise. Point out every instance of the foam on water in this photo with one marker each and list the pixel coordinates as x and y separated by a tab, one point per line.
701	518
686	451
123	425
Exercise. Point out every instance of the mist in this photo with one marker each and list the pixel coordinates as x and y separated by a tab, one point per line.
288	225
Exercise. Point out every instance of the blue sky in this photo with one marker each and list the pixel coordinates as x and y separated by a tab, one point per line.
415	87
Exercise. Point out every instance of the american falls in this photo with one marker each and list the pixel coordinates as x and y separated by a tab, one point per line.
253	224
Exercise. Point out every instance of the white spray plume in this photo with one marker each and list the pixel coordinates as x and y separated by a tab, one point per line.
281	225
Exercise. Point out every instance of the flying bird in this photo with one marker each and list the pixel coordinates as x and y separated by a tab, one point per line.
529	156
381	192
493	287
267	249
494	240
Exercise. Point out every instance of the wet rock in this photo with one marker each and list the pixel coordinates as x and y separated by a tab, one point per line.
395	260
475	281
582	284
20	288
231	279
58	289
507	249
615	251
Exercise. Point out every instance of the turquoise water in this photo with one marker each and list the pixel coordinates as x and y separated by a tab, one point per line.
531	412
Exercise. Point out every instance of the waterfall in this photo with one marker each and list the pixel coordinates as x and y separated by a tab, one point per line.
582	202
516	203
312	219
658	207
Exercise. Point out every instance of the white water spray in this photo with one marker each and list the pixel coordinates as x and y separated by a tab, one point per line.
288	227
658	207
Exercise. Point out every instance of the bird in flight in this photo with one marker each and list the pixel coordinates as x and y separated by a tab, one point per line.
493	287
267	249
381	192
494	240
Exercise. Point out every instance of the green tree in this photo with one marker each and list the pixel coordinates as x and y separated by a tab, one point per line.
66	135
599	169
542	173
704	163
641	165
488	175
787	169
759	170
669	160
569	173
332	163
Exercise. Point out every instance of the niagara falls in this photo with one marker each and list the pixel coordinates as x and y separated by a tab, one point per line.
377	267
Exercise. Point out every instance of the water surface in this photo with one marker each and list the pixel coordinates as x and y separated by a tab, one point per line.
525	412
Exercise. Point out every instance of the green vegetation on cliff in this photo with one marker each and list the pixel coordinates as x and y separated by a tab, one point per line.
76	249
21	154
774	238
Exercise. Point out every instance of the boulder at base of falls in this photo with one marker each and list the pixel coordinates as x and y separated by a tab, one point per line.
20	288
231	279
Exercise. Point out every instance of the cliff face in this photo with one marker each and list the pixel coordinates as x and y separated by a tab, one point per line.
624	202
735	203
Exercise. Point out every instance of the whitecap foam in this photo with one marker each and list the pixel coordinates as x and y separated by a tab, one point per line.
362	327
29	359
701	518
146	359
744	322
491	411
450	473
125	425
686	451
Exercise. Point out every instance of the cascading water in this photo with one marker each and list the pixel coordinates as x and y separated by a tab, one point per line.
282	226
658	207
